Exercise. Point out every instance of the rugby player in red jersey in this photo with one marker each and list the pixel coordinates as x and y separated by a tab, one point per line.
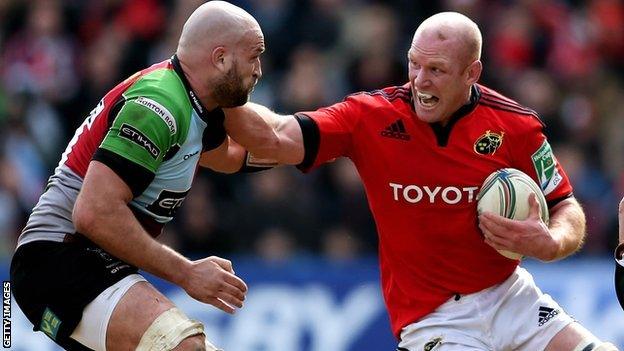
422	150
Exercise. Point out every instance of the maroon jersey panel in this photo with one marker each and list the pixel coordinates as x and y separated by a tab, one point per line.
421	182
92	131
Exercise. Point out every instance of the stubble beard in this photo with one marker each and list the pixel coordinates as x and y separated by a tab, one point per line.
229	90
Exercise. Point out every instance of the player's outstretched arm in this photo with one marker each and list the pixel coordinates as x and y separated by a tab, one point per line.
266	134
101	213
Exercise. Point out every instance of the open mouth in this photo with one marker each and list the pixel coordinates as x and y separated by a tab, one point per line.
427	100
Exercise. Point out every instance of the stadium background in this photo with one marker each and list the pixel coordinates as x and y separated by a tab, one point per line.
306	243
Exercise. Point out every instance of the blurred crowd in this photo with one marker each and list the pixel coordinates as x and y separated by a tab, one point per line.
565	59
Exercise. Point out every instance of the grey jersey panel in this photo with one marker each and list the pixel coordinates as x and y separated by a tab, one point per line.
51	218
174	177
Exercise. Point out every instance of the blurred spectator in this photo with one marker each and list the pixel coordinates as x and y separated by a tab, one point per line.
199	229
39	59
304	86
339	244
346	204
275	245
274	199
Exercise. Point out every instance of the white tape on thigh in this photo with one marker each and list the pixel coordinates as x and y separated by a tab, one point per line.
168	330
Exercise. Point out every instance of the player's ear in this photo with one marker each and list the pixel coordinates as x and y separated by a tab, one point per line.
220	58
474	72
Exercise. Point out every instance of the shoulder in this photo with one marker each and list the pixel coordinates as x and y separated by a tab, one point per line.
161	91
388	94
507	109
390	97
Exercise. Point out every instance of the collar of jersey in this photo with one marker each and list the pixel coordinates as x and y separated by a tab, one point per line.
443	132
201	110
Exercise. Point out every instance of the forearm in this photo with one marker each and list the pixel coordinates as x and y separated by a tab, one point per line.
254	127
266	134
567	227
117	231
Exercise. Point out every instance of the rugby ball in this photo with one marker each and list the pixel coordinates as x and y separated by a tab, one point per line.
506	193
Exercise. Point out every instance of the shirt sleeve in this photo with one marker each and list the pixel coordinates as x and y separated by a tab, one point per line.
137	140
538	161
327	132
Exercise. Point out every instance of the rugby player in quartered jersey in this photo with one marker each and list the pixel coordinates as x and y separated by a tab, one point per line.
123	175
151	131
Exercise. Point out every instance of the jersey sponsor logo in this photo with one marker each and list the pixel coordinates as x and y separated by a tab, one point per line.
129	132
50	323
160	110
396	130
167	203
196	103
187	156
488	143
545	314
545	165
451	195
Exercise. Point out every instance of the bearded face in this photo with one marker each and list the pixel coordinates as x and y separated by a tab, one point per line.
231	90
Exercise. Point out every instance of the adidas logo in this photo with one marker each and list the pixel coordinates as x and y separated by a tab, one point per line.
545	314
396	130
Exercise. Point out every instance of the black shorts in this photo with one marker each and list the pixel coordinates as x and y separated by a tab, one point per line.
54	281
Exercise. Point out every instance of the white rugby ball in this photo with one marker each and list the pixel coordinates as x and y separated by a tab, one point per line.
506	193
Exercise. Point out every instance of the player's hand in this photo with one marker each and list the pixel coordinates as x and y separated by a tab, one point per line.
529	237
211	280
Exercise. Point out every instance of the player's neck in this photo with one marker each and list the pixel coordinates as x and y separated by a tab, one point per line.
203	94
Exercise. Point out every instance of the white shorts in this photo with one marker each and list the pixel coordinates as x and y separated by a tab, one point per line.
91	331
514	315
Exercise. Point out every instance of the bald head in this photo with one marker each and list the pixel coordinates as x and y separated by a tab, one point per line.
219	52
215	23
455	30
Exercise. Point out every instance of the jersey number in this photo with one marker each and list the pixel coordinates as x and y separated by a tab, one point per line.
86	125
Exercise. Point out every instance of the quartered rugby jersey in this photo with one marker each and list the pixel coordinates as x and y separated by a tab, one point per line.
422	180
151	130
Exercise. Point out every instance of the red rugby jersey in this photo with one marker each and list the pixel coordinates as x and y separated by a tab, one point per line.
421	181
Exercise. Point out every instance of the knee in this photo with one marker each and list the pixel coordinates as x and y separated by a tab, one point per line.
192	343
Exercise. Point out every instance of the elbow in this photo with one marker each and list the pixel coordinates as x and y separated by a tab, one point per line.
83	217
